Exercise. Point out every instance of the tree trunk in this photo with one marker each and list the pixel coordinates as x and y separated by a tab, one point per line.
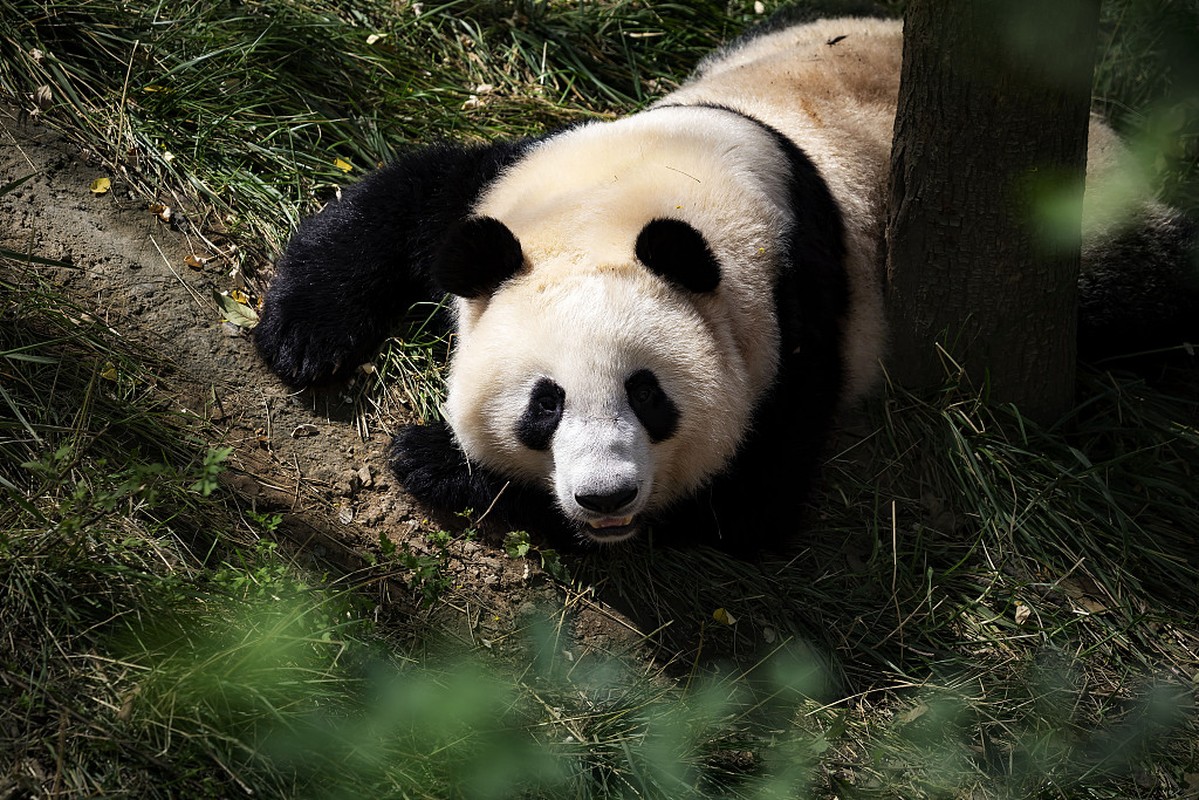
993	109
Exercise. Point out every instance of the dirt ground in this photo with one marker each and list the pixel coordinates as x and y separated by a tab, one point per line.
302	454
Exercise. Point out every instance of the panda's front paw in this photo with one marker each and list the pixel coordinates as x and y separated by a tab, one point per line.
307	338
430	466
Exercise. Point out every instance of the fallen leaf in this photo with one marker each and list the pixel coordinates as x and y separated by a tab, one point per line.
101	186
722	616
127	703
341	164
197	262
109	373
235	313
1023	612
1084	594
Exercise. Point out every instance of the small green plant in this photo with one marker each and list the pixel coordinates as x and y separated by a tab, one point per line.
387	546
51	463
260	572
426	573
211	469
267	522
518	545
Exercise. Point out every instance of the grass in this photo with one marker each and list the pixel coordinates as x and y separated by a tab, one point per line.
980	608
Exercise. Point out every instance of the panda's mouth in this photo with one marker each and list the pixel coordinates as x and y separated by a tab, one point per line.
610	530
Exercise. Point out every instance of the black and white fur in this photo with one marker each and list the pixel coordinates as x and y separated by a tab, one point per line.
657	317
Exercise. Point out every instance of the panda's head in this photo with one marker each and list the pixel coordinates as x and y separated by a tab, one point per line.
607	373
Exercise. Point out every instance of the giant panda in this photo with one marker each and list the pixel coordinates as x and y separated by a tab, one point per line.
657	317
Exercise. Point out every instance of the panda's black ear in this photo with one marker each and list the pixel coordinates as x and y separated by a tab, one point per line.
679	253
477	256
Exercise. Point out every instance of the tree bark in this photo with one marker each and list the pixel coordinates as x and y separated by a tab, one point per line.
993	110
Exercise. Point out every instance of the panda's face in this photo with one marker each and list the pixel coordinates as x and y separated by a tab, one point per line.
603	388
608	384
598	436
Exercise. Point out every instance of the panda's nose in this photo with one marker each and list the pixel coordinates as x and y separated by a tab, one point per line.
608	502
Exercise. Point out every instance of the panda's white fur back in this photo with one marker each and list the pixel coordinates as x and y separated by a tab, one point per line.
837	102
832	86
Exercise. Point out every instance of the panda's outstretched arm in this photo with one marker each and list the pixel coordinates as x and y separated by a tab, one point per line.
351	271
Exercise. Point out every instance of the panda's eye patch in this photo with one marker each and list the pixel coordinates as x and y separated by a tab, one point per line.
537	424
653	407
